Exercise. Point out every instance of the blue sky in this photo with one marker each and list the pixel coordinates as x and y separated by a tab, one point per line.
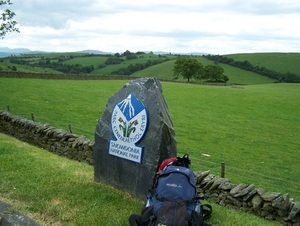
215	27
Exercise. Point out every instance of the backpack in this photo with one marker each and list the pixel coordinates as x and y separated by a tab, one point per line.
173	197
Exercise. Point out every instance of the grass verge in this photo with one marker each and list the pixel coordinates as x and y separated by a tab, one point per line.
57	191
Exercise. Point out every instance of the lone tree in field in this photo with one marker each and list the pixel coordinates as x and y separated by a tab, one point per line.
214	73
7	22
188	68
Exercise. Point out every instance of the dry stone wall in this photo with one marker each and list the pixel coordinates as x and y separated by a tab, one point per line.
47	137
247	198
244	197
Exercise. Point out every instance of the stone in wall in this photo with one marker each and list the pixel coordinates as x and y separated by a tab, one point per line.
268	205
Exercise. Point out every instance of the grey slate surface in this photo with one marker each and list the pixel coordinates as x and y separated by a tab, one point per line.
8	217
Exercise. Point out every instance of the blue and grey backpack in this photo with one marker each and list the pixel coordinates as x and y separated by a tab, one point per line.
173	197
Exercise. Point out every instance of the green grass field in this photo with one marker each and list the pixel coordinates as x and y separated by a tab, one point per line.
253	129
281	62
57	191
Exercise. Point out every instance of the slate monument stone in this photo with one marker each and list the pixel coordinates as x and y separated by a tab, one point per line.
133	136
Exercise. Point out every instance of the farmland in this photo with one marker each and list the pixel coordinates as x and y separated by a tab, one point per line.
252	126
253	129
282	62
148	65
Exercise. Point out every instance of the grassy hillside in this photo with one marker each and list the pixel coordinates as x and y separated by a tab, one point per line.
253	129
3	66
281	62
73	62
32	69
163	71
236	75
86	61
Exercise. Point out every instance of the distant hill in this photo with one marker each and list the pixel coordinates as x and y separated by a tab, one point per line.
94	52
191	53
281	62
17	50
5	51
2	54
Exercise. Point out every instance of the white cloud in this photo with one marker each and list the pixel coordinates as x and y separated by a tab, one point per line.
219	26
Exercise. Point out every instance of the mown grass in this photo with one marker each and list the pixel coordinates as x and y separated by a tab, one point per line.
281	62
80	103
56	191
253	129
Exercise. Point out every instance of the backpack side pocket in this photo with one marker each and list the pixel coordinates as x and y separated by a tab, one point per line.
173	212
147	215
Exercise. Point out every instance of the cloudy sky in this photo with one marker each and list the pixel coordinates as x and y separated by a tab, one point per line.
177	26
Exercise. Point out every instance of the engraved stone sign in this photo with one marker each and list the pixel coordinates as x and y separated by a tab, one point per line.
133	136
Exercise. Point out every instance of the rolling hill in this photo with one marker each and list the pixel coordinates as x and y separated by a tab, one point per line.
281	62
236	75
95	64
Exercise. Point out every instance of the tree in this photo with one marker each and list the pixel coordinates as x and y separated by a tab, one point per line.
214	72
226	79
113	60
126	53
8	24
188	68
131	56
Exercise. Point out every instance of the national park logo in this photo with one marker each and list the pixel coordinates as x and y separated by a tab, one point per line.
129	122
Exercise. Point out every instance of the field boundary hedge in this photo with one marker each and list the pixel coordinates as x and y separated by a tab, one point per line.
244	197
11	74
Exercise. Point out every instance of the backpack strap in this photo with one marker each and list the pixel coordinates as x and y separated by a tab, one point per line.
182	161
207	211
159	197
161	166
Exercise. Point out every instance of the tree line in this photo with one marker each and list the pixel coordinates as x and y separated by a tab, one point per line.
131	68
56	65
246	65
